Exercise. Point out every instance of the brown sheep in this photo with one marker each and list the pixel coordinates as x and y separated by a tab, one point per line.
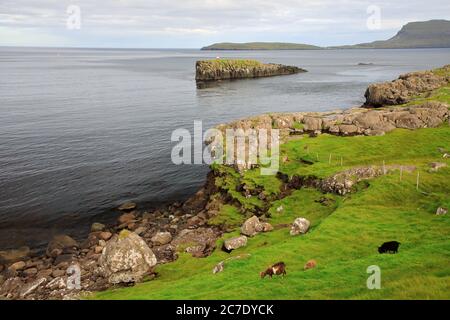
278	268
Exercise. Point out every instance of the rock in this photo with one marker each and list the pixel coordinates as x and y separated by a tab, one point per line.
128	206
126	258
58	273
96	227
140	231
31	287
17	266
252	226
267	227
61	243
312	123
310	264
435	166
235	243
300	226
199	242
105	235
57	284
441	211
30	272
165	253
219	267
162	238
280	209
10	285
126	218
14	255
63	258
44	273
98	249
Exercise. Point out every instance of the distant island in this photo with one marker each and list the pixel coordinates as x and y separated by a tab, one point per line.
260	46
421	34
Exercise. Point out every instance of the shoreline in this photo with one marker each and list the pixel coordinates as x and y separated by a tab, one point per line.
189	220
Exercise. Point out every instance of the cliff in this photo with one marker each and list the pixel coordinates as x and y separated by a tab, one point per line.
228	69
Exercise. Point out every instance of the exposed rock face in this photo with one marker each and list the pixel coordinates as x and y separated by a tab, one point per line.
126	258
211	70
235	243
300	226
404	88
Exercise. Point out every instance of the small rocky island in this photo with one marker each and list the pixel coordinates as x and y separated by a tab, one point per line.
229	69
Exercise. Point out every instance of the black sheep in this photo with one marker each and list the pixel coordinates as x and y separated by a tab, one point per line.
389	247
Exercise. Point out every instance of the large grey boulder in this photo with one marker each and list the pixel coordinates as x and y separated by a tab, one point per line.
300	226
252	226
235	243
126	258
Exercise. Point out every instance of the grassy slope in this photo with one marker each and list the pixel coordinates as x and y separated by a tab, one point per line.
345	233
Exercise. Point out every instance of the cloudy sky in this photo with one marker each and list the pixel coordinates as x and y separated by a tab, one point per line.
195	23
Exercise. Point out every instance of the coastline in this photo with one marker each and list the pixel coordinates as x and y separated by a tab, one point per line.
193	214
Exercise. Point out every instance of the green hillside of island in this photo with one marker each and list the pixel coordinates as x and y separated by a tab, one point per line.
346	229
420	34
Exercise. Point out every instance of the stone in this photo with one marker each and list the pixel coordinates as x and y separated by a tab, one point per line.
63	243
98	249
162	238
58	273
267	227
310	264
126	218
441	211
105	235
63	258
435	166
140	230
126	258
300	226
30	272
200	242
312	124
96	227
14	255
252	226
57	284
128	206
17	266
10	285
235	243
31	287
219	267
280	209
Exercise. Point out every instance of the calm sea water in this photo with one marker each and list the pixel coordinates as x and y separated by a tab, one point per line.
84	130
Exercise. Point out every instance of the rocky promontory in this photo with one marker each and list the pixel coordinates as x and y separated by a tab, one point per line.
228	69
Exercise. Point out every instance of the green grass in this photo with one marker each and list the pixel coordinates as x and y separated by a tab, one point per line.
228	217
344	235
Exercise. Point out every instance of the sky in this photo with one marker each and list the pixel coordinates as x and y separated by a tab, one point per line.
196	23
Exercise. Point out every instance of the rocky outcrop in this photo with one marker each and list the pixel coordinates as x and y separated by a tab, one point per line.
404	88
228	69
126	258
199	242
253	225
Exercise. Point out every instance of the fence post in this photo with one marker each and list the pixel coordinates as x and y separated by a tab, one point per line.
401	172
417	182
329	159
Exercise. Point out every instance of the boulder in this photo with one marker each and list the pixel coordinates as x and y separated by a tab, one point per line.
60	244
441	211
126	218
300	226
252	226
219	267
162	238
199	242
312	123
105	235
96	227
14	255
128	206
126	258
17	266
235	243
310	264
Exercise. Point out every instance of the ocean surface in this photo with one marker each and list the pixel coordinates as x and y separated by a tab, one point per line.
84	130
